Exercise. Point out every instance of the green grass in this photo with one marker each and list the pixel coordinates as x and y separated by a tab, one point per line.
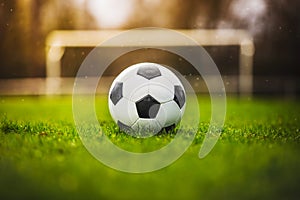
42	157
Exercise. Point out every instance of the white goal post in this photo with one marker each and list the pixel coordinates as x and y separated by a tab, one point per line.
57	41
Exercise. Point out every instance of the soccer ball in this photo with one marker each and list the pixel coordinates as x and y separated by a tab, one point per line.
146	98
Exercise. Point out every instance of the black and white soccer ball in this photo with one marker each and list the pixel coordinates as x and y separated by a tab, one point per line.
146	98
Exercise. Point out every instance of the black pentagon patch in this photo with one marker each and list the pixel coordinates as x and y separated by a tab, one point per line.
179	96
124	127
116	93
149	72
147	107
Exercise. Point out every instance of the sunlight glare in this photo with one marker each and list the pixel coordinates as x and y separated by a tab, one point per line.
110	13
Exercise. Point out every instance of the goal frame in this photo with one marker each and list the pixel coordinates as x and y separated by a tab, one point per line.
58	40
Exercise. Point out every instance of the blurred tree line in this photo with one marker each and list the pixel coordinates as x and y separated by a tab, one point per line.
24	25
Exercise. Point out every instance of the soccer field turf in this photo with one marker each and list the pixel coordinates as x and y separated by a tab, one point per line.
257	156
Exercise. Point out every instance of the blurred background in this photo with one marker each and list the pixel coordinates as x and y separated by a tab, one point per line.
273	24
